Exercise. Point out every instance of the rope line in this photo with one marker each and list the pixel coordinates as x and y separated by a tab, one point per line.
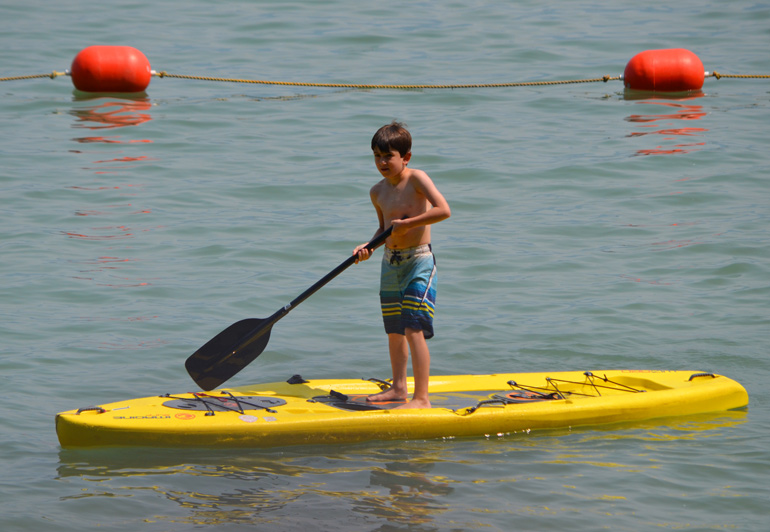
52	75
743	76
379	86
605	79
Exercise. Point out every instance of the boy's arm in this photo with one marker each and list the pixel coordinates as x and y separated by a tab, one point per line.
361	250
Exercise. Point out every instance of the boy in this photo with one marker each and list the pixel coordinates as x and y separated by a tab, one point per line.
407	199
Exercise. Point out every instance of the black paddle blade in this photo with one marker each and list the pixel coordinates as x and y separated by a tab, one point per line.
228	352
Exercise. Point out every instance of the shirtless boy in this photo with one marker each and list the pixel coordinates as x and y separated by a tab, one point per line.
407	199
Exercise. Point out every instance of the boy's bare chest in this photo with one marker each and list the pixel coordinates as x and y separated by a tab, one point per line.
402	196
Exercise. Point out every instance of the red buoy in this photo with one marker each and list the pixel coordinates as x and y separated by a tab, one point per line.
110	69
670	70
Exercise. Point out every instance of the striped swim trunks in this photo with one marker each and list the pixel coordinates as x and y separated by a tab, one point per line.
408	289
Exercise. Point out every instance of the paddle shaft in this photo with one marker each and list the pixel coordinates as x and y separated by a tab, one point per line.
268	323
371	246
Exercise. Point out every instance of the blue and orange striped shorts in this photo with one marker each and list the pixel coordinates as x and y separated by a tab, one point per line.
408	289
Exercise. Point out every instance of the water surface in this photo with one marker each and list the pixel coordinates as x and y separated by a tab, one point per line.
591	229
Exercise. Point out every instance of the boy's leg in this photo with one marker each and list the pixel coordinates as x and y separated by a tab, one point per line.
420	367
399	357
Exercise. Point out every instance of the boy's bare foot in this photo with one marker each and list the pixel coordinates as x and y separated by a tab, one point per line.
388	395
416	403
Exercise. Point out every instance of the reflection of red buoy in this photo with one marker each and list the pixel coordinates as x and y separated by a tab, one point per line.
671	70
110	69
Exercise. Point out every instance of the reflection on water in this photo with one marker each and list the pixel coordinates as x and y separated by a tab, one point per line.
106	140
665	124
419	485
409	496
109	112
392	486
112	114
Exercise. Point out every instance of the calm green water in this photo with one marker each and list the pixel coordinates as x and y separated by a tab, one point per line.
591	229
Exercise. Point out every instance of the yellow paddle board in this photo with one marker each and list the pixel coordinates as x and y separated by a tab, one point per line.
301	412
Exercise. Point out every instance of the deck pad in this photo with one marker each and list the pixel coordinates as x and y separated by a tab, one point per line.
450	400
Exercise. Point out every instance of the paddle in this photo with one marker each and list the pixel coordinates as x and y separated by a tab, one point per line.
237	346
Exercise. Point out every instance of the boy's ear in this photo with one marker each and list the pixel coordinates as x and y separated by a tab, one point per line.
407	157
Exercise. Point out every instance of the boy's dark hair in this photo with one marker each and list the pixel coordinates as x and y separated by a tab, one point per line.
393	136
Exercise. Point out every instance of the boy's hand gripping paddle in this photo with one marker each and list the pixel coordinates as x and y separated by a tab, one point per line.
237	346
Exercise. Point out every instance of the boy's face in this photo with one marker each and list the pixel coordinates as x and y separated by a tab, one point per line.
390	163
